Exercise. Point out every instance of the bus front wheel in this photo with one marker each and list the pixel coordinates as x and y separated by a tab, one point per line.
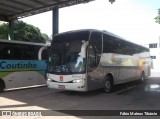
108	85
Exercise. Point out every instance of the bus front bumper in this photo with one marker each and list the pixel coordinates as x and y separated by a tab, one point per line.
67	86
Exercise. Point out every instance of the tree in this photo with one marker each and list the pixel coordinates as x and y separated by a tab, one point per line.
158	17
24	32
3	31
46	37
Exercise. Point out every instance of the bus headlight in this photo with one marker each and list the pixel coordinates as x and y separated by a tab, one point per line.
78	80
48	79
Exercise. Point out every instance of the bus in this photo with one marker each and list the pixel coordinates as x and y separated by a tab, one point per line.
84	60
20	66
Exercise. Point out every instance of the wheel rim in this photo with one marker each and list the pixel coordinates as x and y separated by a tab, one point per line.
142	77
107	86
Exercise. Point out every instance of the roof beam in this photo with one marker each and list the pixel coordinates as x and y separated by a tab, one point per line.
10	6
39	2
21	3
6	10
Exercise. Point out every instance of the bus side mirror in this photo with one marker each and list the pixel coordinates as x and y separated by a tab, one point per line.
83	49
40	52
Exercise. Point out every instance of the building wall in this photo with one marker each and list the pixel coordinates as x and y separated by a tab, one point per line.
155	53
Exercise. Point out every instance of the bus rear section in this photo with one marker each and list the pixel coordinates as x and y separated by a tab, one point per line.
20	66
22	73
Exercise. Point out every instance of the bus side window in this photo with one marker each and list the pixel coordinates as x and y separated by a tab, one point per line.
95	47
30	52
91	59
9	52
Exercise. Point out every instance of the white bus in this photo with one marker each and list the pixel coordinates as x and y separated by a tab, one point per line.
19	64
85	60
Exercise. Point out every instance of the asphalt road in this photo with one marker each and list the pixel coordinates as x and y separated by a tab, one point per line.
130	96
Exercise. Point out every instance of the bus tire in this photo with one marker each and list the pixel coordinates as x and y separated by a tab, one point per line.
2	85
142	77
108	84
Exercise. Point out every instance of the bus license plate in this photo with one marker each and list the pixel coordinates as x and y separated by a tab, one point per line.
61	86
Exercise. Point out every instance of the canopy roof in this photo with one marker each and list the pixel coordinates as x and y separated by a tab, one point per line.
13	9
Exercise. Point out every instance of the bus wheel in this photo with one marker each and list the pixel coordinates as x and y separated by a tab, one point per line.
142	77
108	85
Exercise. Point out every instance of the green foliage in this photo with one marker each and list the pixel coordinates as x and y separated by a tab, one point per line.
24	32
46	37
158	17
3	31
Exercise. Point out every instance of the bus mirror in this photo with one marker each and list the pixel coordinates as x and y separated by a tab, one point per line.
40	52
83	49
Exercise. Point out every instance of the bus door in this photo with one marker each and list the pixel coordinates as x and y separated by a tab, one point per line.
94	69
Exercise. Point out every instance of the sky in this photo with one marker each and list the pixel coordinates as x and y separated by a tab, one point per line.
130	19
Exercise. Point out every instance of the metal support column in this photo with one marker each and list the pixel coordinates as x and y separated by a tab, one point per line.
11	30
55	22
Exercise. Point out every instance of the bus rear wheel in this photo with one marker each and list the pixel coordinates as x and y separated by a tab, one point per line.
108	85
142	77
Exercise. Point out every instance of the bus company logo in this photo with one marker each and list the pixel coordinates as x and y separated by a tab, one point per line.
6	113
16	65
61	78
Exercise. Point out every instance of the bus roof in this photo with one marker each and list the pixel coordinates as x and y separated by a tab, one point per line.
102	31
22	42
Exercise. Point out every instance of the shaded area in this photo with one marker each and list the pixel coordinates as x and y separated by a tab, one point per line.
130	96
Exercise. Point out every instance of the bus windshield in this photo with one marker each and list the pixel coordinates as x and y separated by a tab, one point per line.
65	55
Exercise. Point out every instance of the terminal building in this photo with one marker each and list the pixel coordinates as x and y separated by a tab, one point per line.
155	53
